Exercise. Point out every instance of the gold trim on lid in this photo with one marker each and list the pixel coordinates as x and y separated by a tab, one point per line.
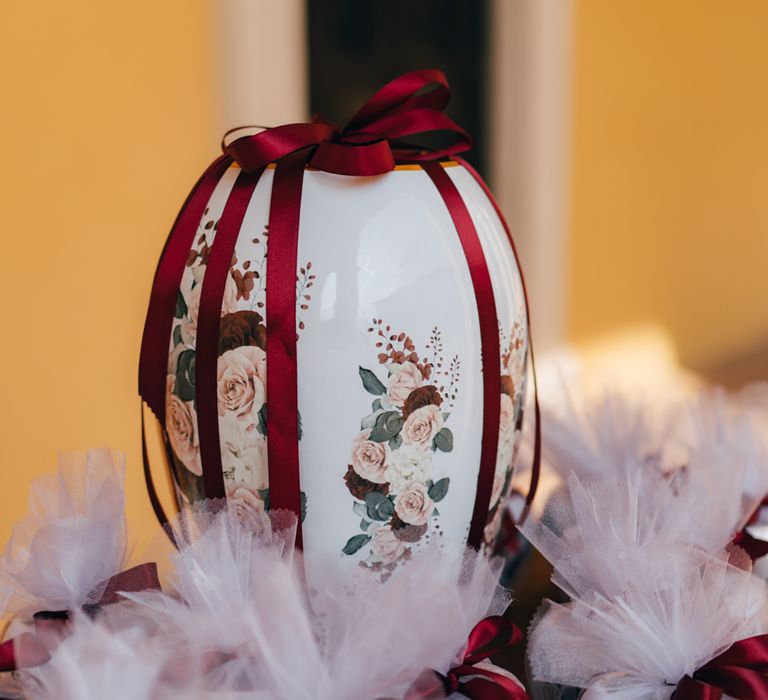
406	166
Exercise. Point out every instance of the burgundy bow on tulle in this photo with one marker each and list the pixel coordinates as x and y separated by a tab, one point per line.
139	578
741	671
372	142
488	637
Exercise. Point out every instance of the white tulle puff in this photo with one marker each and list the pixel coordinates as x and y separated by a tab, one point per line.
260	618
97	660
687	608
637	535
73	540
635	488
619	433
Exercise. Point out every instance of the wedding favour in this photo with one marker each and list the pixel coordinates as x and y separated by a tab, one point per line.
662	601
636	476
338	327
693	626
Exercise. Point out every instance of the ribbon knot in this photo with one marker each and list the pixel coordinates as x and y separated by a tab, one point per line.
138	578
380	135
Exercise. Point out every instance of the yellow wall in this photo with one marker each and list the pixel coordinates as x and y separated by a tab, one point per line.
670	172
105	122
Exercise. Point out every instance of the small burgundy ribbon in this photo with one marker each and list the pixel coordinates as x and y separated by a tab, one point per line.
488	637
139	578
7	656
741	671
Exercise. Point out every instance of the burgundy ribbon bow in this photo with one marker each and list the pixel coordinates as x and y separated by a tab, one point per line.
372	142
488	637
741	671
139	578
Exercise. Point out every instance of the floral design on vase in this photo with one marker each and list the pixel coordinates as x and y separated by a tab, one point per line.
513	372
391	475
241	377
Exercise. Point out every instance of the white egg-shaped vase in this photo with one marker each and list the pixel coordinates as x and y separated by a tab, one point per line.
389	366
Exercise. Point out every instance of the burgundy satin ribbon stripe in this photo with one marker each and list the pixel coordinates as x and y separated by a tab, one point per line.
208	322
536	463
156	340
134	580
489	344
282	370
741	671
490	636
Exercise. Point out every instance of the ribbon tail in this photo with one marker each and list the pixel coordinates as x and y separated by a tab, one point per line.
7	656
690	689
489	344
282	371
153	360
139	578
149	480
27	650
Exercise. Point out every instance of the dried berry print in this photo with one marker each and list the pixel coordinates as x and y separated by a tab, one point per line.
305	280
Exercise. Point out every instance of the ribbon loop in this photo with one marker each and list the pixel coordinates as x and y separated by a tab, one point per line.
488	637
257	150
491	636
370	144
402	94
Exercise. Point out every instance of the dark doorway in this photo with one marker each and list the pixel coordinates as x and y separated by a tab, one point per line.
355	46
